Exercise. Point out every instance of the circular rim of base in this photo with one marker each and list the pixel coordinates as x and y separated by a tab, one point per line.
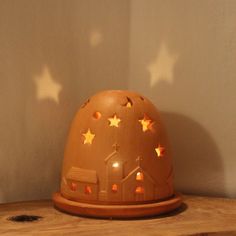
116	211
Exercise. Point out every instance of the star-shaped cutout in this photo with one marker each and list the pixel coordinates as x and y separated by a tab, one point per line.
47	87
146	123
162	68
114	121
88	137
160	151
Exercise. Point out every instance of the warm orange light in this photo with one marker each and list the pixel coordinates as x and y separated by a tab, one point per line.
73	186
128	104
87	190
114	188
97	115
139	176
88	137
139	190
114	121
146	123
115	165
160	151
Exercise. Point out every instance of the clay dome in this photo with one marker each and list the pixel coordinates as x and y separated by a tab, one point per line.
117	155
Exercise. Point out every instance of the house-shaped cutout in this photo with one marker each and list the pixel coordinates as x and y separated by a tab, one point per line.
138	185
81	184
114	175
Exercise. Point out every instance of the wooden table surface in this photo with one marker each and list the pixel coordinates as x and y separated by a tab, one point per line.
197	216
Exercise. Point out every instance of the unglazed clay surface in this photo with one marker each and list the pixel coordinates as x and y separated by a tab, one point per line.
117	152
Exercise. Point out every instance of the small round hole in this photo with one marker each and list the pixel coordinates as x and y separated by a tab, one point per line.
97	115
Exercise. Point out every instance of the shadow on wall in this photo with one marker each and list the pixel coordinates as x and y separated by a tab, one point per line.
182	57
196	158
54	54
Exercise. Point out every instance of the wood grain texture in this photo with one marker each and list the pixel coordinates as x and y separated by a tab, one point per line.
198	216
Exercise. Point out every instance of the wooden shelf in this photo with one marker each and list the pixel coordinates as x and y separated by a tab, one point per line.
197	216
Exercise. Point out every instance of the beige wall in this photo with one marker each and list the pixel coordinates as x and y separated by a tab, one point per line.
73	48
54	54
183	56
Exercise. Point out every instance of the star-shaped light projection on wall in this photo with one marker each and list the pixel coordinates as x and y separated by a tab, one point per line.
162	68
114	121
95	38
47	87
88	137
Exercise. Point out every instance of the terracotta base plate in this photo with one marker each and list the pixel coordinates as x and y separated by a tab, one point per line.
116	211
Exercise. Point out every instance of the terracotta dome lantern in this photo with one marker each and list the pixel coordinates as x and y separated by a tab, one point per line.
117	161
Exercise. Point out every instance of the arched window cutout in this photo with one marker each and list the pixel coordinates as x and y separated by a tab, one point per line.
114	188
73	186
97	115
139	176
115	164
139	190
87	189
